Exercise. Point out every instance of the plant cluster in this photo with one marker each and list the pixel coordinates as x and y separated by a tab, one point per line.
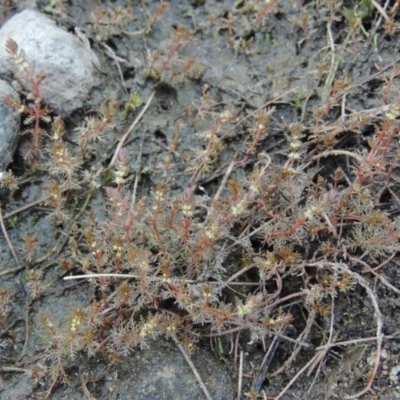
289	232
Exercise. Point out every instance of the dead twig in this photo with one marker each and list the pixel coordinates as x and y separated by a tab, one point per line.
110	52
10	245
225	179
26	207
294	379
130	129
262	373
139	163
194	370
11	270
381	11
88	395
239	396
352	342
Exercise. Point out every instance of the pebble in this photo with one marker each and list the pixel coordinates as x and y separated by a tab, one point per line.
68	64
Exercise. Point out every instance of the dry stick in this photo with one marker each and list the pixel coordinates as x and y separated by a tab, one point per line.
110	52
376	274
283	299
88	395
11	270
381	11
343	114
394	9
127	133
13	369
139	162
23	208
136	33
26	333
128	276
333	67
89	276
236	349
395	198
351	342
241	328
239	396
241	272
10	245
337	153
194	370
262	373
389	285
385	262
380	193
225	178
294	379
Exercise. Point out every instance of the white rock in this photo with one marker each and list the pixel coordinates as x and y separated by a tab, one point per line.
9	126
69	66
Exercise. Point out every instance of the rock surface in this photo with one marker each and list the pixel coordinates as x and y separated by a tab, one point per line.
9	126
69	66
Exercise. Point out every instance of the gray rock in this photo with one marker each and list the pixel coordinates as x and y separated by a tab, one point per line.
69	65
9	126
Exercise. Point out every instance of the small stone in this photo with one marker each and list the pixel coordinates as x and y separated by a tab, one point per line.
68	65
9	126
